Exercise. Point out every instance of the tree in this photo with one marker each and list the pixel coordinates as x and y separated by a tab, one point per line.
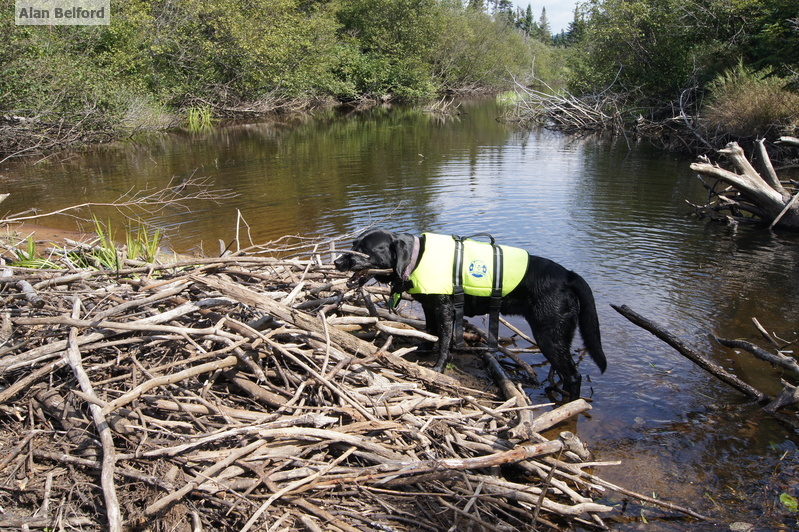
575	33
658	48
545	32
392	45
503	10
640	47
476	50
526	23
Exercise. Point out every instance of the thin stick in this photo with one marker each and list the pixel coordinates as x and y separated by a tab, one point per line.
711	367
163	380
165	502
109	459
293	486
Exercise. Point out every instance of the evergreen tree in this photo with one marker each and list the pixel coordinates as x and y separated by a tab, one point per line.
503	10
477	5
576	31
526	23
504	6
544	31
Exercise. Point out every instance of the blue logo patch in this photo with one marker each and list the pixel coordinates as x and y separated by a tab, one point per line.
478	269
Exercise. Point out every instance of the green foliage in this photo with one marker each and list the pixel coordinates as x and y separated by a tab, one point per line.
657	48
743	102
395	40
156	57
141	244
789	502
639	46
476	51
199	119
105	255
27	257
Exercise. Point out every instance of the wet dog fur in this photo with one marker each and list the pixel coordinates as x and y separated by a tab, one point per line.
554	301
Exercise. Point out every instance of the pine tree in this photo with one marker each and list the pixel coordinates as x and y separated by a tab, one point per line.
543	27
526	23
503	10
576	30
477	5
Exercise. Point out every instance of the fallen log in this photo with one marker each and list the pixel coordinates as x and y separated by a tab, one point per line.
787	397
691	354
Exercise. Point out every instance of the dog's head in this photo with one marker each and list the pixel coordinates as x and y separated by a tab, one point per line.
376	249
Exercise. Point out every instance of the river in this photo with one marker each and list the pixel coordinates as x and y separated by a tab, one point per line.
614	211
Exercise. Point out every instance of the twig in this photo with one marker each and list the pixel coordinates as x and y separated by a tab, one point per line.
164	503
113	512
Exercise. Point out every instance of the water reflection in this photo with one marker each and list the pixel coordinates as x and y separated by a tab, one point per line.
615	215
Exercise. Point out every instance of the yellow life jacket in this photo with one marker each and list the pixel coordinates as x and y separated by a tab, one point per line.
434	273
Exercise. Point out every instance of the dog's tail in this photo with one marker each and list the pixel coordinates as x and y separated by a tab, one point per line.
589	322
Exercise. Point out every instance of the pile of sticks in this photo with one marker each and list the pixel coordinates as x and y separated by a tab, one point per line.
249	392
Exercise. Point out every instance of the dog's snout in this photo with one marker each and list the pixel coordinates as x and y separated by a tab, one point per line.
351	260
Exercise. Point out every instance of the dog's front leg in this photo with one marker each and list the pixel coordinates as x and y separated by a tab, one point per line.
445	320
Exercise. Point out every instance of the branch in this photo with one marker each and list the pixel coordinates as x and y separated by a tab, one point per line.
771	175
785	362
173	195
109	454
699	359
791	141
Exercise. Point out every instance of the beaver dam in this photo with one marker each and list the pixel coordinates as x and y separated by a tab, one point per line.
257	392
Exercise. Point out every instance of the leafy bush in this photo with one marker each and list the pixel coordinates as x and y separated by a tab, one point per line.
744	102
158	59
475	51
655	49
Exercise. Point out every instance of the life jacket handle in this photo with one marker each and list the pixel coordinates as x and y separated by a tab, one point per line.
472	237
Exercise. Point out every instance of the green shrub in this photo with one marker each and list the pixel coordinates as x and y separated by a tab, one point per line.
743	103
475	51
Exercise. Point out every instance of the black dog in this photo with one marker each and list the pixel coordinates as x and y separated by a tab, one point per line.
552	299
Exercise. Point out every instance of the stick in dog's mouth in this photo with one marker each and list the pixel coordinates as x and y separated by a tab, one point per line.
361	277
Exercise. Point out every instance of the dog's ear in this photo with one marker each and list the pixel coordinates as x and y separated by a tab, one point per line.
402	249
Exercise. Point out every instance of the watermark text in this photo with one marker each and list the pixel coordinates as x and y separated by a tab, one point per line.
62	12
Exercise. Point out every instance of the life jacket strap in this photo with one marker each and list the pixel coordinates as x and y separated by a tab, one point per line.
457	291
496	299
458	294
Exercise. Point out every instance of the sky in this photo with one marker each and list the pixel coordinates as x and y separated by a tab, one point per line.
559	12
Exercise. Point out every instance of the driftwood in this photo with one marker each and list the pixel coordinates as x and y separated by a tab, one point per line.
789	395
745	195
222	394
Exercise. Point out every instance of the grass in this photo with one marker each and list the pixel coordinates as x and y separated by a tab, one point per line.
199	119
744	103
27	258
141	244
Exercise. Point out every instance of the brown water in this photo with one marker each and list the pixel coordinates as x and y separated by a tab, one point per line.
614	213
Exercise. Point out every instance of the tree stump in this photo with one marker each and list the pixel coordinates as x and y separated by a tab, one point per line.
747	196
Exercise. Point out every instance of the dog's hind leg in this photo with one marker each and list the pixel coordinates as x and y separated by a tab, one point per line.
554	338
